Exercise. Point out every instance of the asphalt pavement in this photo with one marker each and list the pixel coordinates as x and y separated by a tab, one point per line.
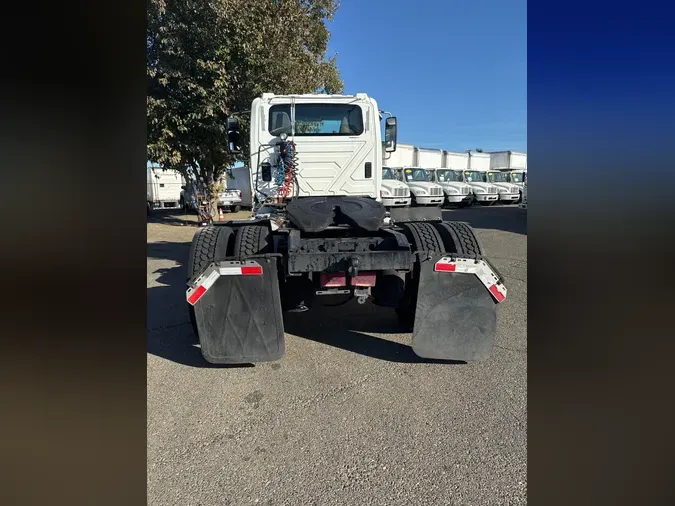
350	415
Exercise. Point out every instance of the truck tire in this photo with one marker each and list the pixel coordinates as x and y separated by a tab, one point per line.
423	236
252	240
235	209
459	237
209	244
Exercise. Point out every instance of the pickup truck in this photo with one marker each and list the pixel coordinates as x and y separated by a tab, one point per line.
228	198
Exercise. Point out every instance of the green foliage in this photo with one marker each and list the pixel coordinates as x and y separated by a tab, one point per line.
207	59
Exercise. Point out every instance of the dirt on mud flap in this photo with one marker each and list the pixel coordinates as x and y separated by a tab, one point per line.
237	310
456	313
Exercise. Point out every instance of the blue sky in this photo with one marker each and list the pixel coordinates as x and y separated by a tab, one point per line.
454	72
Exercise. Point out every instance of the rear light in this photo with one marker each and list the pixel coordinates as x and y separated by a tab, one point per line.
364	279
333	279
381	194
239	193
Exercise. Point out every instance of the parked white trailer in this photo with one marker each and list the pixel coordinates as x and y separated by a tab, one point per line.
163	188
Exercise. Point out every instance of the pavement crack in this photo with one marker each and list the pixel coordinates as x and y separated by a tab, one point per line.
168	326
511	349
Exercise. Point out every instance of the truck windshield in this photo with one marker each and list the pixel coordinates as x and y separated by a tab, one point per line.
516	177
316	119
473	176
387	173
416	175
449	176
498	177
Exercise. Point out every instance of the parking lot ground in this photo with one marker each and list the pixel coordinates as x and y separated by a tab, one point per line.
350	415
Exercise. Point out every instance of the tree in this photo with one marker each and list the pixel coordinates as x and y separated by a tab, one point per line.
207	59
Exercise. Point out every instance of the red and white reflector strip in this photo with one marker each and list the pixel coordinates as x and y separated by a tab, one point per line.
478	267
210	275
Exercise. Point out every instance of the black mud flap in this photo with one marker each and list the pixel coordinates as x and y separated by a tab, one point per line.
239	318
455	317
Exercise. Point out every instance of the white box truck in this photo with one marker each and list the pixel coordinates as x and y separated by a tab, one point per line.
514	163
482	192
449	175
406	162
163	188
393	192
506	193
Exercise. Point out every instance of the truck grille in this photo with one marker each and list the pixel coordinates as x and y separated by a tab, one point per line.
492	189
465	191
435	191
515	189
400	192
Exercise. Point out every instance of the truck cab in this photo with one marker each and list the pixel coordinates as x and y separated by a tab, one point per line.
336	145
424	191
485	193
457	192
394	192
523	204
508	193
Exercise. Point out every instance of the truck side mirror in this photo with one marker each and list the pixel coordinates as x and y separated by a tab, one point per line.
233	136
390	132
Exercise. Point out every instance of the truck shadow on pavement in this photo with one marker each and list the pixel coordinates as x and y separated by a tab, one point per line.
170	336
507	218
347	327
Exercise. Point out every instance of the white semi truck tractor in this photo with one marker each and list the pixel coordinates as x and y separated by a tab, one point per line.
319	229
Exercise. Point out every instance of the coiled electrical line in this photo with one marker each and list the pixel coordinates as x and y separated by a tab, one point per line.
285	174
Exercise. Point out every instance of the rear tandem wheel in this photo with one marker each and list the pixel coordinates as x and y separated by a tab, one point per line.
209	244
440	237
